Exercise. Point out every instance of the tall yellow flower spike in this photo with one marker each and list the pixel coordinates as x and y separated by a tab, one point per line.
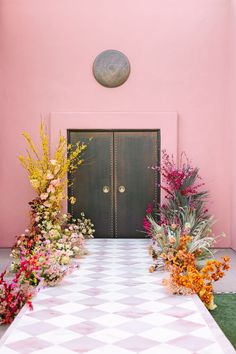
48	175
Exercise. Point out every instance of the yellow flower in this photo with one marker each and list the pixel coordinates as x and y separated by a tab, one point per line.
35	183
72	200
202	292
53	162
42	168
52	198
65	260
57	169
211	305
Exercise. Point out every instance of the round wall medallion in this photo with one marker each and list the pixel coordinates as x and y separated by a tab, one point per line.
111	68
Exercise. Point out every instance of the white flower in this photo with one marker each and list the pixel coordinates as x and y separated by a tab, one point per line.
187	226
12	266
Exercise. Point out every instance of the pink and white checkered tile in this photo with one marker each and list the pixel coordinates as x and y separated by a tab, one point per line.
113	305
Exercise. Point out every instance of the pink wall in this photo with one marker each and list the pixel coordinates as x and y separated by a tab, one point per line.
232	85
178	53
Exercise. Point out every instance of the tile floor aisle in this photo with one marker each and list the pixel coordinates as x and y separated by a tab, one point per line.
112	305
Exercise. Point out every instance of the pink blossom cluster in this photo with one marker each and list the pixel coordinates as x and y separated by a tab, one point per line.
13	296
174	178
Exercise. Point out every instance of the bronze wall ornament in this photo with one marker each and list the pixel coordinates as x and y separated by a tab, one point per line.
111	68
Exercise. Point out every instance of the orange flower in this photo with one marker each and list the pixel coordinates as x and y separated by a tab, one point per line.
184	273
152	269
164	256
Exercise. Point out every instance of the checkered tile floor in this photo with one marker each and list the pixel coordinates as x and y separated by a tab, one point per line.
112	305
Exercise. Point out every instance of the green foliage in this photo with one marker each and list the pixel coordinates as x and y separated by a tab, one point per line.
225	315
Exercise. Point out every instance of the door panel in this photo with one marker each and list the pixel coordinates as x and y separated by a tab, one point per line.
91	177
113	160
134	152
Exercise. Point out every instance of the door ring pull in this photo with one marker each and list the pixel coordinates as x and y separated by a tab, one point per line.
106	189
121	189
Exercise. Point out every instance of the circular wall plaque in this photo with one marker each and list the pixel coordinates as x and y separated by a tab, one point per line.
111	68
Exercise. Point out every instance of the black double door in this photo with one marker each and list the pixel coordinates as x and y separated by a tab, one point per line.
114	185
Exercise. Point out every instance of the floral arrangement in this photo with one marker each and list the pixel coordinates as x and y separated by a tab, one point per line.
44	253
13	296
181	232
184	200
85	226
187	278
50	230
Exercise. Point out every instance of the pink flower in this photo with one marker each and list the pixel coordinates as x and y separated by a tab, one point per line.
74	235
149	208
172	240
43	196
49	175
56	182
51	189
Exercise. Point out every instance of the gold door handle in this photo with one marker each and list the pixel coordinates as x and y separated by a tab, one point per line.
106	189
121	189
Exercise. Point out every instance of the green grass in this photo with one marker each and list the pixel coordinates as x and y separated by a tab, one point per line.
225	315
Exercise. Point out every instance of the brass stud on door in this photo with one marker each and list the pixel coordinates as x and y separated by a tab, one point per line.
121	189
106	189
